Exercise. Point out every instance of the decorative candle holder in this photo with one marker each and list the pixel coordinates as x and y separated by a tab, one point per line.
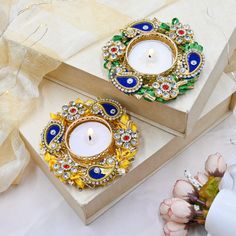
88	144
154	60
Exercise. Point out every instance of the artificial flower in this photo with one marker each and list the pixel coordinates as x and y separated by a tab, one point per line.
175	229
215	165
201	177
177	210
184	190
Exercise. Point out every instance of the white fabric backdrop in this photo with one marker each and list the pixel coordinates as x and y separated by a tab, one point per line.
35	208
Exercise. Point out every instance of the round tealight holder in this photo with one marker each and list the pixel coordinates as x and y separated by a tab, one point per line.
154	60
84	147
87	143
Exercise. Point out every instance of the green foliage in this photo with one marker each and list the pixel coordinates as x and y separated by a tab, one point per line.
209	191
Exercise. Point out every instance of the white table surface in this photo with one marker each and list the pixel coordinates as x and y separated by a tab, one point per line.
35	208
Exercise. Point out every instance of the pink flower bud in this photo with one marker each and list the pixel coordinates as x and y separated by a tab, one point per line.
184	190
177	210
215	165
175	229
201	177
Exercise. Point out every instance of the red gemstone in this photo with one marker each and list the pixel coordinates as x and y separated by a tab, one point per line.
165	87
126	138
73	110
181	32
113	49
66	166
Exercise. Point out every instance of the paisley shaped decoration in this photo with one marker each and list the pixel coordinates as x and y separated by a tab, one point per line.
98	172
127	83
145	26
194	60
110	109
53	136
51	133
191	64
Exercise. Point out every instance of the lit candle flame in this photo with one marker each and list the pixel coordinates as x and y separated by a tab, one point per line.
151	52
90	134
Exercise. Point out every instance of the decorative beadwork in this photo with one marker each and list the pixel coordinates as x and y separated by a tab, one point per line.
185	70
96	170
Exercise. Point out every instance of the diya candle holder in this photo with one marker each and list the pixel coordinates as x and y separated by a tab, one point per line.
154	60
89	143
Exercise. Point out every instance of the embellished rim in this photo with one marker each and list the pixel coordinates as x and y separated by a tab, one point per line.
96	170
188	60
76	124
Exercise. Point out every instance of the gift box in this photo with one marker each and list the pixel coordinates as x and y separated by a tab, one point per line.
81	55
156	146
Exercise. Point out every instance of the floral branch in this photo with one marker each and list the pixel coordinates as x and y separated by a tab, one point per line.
192	198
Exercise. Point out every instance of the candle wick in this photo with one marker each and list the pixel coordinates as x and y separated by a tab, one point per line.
90	137
151	53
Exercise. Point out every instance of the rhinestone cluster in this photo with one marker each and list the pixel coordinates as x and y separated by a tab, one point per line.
166	87
113	50
73	111
181	33
126	138
66	168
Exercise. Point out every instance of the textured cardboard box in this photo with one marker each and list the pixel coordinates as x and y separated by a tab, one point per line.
84	70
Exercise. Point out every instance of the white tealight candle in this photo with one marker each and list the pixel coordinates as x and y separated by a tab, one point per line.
89	138
150	57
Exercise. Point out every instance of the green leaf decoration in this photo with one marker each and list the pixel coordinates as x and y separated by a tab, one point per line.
117	38
165	26
175	21
209	191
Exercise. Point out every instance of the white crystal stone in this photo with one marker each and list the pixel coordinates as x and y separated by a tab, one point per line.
172	35
69	117
158	91
116	136
55	166
179	40
65	108
59	171
193	62
130	80
53	131
134	142
160	79
53	145
64	113
126	145
81	111
110	161
121	131
113	111
96	170
155	85
119	142
66	175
